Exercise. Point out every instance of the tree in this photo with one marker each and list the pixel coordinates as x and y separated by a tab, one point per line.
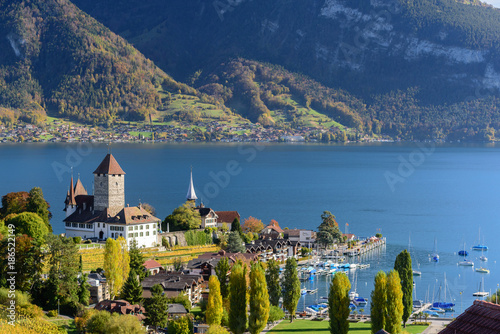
217	329
185	217
37	204
119	324
238	298
136	260
149	208
236	226
328	230
273	282
338	304
214	304
132	289
83	290
259	299
291	287
234	243
275	313
98	323
181	325
394	303
116	264
403	266
221	270
252	224
157	307
378	304
14	202
30	224
177	264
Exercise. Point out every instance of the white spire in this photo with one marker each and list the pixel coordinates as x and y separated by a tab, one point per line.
191	195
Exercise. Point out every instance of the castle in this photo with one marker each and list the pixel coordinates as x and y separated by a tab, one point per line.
103	215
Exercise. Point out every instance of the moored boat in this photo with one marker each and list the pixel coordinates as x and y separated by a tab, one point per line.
483	270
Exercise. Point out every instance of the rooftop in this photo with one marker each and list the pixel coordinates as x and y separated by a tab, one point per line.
109	166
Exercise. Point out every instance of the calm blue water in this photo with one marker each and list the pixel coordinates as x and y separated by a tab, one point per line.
444	192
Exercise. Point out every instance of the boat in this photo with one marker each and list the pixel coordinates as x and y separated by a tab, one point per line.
354	294
483	270
481	292
352	306
414	272
483	258
303	291
360	301
465	262
313	291
437	310
364	266
480	247
431	313
463	253
435	255
443	305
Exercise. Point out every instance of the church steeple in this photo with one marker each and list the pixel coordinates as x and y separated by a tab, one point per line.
191	194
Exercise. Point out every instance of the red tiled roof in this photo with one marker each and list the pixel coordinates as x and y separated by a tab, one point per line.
109	166
150	264
274	226
480	318
227	216
79	188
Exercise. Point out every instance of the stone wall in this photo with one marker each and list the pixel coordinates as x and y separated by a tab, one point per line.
173	238
109	191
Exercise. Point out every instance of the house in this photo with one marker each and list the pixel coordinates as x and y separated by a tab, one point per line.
122	307
98	288
349	236
176	310
175	283
226	217
271	231
104	215
153	267
277	249
481	317
208	216
205	264
304	236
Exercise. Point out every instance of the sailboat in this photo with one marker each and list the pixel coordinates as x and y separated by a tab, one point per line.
481	292
435	255
444	305
465	262
479	246
415	272
354	294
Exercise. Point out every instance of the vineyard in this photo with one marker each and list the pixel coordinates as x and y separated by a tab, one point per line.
94	258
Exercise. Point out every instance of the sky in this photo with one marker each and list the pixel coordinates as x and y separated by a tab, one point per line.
495	3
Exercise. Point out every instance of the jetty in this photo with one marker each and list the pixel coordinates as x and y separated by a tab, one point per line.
362	247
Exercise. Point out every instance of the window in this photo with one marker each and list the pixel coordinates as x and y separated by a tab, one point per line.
82	226
130	228
103	225
131	235
136	227
142	234
89	226
154	232
68	224
147	234
98	224
75	225
112	235
147	227
142	227
136	234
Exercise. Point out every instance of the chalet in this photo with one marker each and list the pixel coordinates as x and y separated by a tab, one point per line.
152	267
176	310
175	283
122	307
277	249
205	264
208	216
271	231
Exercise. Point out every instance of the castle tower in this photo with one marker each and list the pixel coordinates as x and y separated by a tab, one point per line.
191	195
109	185
70	202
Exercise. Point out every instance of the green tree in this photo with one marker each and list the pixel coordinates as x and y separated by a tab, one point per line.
328	230
404	268
214	305
221	270
275	313
236	226
394	303
116	264
136	260
291	287
234	243
238	298
84	290
14	202
30	224
273	281
132	289
259	299
185	217
338	304
378	304
98	323
217	329
37	204
157	307
181	325
129	324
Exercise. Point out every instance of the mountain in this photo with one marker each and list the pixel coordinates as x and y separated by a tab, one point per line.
56	59
422	68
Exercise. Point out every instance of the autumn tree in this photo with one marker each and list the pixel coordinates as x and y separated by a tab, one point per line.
235	243
149	208
252	224
273	282
185	217
221	270
116	264
238	298
30	224
259	299
395	306
291	287
378	304
14	202
132	289
214	305
338	304
403	266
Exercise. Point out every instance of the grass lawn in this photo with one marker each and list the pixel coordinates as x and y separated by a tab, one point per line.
306	326
67	325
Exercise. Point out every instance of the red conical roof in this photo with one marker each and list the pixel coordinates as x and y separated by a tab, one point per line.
109	166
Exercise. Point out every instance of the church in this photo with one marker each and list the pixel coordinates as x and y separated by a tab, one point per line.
104	215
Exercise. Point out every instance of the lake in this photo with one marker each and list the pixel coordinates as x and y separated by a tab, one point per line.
422	191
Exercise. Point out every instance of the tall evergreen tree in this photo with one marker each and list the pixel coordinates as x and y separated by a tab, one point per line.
37	204
238	299
403	266
236	226
291	287
83	291
214	305
235	243
132	289
378	304
136	260
221	270
338	304
157	307
273	282
259	299
394	303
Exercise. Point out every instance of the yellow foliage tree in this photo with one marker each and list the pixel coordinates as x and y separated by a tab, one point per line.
116	264
214	304
394	304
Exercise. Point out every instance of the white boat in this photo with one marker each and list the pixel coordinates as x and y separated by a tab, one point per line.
364	266
483	270
481	292
480	246
354	294
415	272
435	255
467	263
483	258
360	301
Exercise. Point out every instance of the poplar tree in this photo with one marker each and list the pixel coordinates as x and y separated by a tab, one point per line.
338	304
403	266
394	303
291	287
221	270
259	299
214	305
273	282
116	264
132	289
378	302
238	299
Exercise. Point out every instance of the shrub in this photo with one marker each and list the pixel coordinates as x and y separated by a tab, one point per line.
77	240
52	313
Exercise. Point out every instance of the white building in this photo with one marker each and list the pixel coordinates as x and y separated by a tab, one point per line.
103	215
